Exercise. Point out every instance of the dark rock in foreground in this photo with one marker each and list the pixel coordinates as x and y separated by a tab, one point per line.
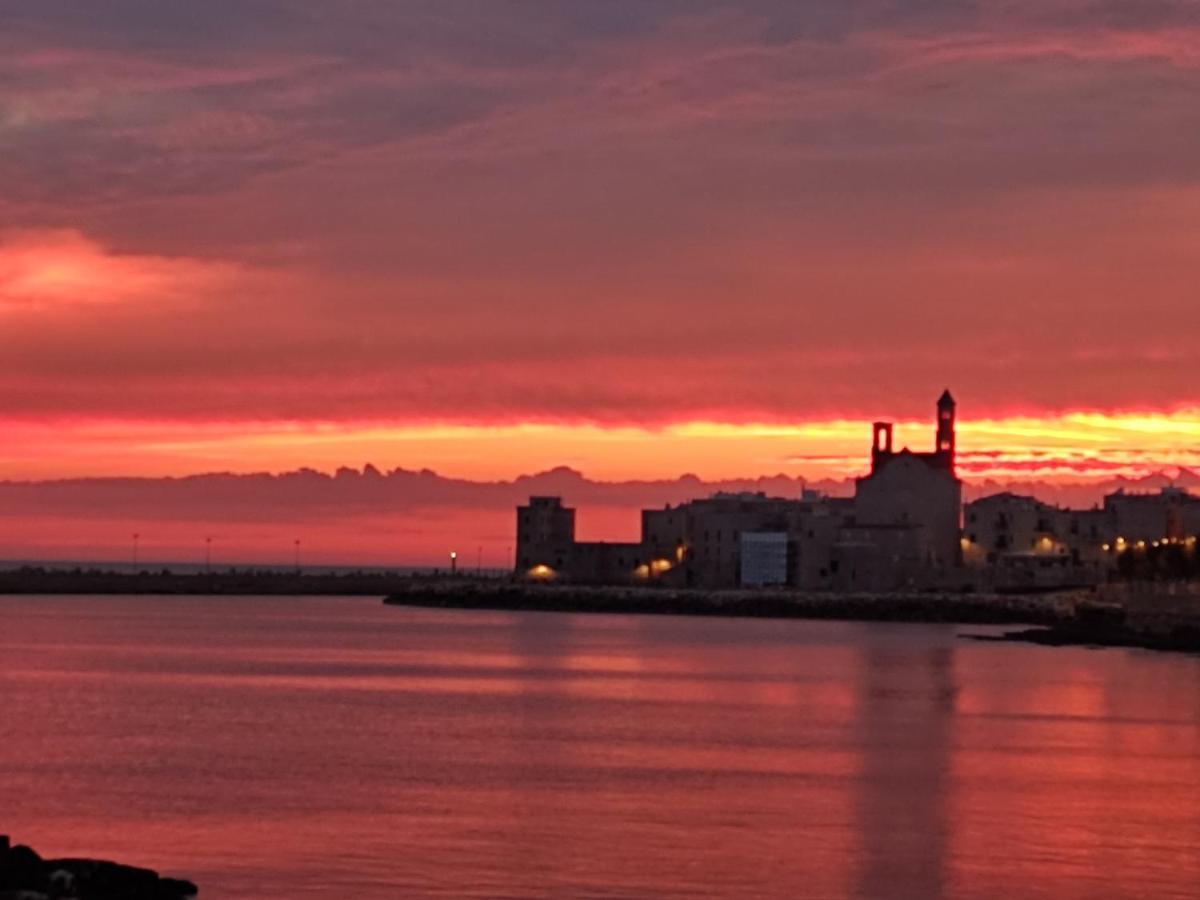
24	875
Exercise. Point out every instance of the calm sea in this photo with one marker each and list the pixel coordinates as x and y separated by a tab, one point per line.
294	748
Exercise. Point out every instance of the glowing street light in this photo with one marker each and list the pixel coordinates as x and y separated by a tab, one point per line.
453	562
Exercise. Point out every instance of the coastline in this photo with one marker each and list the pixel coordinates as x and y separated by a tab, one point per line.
1064	618
1144	615
979	609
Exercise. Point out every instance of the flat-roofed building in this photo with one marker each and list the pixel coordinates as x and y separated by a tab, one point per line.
1020	542
1002	524
1170	514
545	537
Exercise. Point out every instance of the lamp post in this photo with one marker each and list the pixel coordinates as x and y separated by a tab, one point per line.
136	536
453	563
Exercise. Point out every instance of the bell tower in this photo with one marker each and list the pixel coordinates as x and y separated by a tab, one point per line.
881	444
945	428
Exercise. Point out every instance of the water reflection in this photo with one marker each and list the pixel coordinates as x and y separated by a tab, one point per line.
905	719
341	748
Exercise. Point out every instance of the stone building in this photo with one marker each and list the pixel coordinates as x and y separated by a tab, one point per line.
1005	524
547	549
1171	514
545	535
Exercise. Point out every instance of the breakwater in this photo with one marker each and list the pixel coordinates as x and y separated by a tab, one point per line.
1150	617
233	582
994	609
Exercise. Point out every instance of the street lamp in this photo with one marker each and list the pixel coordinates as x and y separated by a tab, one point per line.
453	562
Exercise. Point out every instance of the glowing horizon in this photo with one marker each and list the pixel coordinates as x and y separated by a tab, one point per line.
1067	448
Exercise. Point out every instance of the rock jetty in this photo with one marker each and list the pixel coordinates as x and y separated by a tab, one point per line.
25	875
1148	616
994	609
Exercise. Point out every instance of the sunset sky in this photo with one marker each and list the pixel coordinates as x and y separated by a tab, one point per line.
637	238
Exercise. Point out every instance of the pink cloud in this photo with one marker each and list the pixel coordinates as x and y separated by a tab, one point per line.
51	269
636	215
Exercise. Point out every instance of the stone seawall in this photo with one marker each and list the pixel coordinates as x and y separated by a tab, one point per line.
1030	609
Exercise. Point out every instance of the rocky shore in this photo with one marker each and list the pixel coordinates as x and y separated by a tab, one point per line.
1073	634
1144	615
994	609
24	875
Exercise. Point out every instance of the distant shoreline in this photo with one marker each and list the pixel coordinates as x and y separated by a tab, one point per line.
226	582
